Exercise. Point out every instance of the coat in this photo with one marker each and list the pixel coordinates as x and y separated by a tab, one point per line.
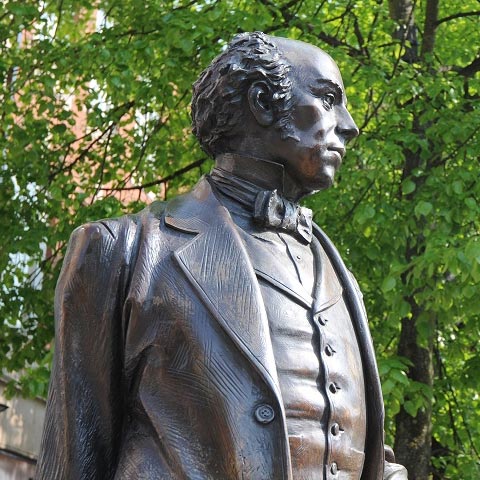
163	353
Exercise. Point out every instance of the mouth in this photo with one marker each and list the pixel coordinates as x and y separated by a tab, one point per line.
340	151
336	155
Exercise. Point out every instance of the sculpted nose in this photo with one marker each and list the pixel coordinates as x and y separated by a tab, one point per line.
346	126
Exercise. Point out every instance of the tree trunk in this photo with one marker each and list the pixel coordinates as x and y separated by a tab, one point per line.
430	26
413	434
402	12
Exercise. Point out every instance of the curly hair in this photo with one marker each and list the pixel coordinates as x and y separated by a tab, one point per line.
218	94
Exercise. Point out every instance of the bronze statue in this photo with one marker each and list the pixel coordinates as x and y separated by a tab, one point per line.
219	335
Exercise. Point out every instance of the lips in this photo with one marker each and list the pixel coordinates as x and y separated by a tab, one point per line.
333	157
335	154
339	150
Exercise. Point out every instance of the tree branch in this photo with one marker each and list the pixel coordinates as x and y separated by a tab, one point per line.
470	70
176	174
334	41
102	166
358	201
458	15
59	19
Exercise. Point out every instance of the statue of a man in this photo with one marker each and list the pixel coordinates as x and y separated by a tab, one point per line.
219	335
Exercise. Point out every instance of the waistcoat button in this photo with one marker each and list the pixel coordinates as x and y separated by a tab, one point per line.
264	414
329	350
334	468
318	317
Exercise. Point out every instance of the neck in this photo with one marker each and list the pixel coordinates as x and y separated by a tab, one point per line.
261	172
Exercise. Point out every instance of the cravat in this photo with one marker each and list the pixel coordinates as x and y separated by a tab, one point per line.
268	207
273	210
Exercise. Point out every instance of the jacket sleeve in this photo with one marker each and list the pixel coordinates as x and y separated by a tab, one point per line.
85	403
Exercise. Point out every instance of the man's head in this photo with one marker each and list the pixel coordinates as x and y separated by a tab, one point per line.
277	99
218	110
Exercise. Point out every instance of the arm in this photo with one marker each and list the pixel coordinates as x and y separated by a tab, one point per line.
393	471
85	403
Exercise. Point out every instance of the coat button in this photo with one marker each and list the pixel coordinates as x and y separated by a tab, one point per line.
333	387
264	414
333	468
335	429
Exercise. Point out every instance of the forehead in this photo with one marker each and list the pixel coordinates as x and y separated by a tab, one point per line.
309	63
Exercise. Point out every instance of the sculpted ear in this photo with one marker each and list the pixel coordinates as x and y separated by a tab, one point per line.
259	102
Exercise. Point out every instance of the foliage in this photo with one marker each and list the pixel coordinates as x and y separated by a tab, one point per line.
94	106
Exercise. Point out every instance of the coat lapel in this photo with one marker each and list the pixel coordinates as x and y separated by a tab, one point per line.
328	290
217	265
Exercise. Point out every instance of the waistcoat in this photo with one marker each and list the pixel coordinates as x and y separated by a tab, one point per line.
318	364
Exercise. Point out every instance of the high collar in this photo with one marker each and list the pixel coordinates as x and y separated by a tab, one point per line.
263	173
268	208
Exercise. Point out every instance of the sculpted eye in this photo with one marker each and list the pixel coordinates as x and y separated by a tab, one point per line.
329	94
328	100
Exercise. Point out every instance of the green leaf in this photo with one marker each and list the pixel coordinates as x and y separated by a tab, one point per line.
388	284
472	250
423	208
59	128
364	213
408	187
457	187
411	408
471	203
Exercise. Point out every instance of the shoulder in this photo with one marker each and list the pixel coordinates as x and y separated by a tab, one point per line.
113	230
110	240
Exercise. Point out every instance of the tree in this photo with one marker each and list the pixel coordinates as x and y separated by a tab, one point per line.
94	106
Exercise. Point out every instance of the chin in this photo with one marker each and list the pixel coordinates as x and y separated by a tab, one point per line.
323	182
323	178
317	186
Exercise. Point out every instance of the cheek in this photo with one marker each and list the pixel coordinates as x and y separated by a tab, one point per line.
307	116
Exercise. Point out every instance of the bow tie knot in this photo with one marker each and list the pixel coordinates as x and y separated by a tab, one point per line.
273	210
